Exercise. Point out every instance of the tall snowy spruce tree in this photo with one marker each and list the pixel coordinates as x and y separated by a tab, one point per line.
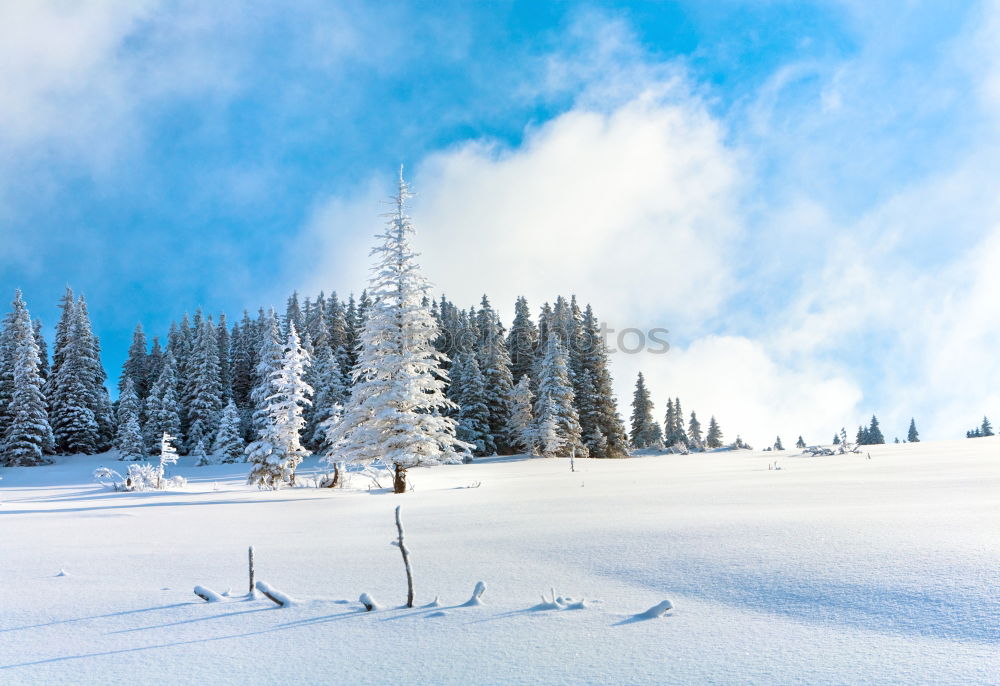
27	436
605	434
713	439
278	451
912	435
77	398
646	431
397	404
522	434
556	420
128	436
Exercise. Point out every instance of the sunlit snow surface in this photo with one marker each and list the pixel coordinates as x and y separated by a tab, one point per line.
831	570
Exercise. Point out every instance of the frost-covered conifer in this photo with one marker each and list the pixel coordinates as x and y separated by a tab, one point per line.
278	450
204	387
522	341
229	445
128	439
27	436
162	410
558	425
607	438
395	412
473	414
912	435
800	443
694	433
646	432
75	397
134	367
329	396
713	439
128	435
521	430
494	363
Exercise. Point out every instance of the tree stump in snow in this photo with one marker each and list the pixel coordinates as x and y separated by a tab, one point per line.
399	479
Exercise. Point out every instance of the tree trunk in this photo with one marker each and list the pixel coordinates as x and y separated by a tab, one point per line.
399	481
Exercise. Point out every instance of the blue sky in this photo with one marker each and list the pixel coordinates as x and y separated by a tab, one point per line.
808	189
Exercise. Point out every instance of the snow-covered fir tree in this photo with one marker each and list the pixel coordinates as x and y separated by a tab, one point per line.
646	432
522	341
203	389
395	412
329	396
473	414
229	445
279	450
874	433
713	439
557	422
675	434
75	398
912	435
494	363
777	444
522	434
28	435
605	433
128	435
43	350
129	440
134	367
162	408
800	443
694	433
269	355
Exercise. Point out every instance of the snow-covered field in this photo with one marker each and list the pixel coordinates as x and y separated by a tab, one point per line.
830	570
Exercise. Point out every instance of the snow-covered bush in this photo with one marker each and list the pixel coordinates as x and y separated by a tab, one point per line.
139	477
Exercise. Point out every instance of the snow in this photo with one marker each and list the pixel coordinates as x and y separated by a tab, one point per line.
837	570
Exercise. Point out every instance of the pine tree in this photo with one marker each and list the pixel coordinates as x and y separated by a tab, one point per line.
134	367
243	360
800	443
279	451
269	356
162	408
43	350
522	341
713	439
204	387
395	412
100	400
607	438
986	429
777	444
675	429
473	414
229	444
694	433
555	409
329	396
27	436
836	439
493	361
128	435
874	433
862	437
646	432
224	343
912	436
521	431
75	398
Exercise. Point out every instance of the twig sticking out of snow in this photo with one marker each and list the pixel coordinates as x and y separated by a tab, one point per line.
207	594
368	602
250	560
406	560
274	595
656	611
477	594
434	603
